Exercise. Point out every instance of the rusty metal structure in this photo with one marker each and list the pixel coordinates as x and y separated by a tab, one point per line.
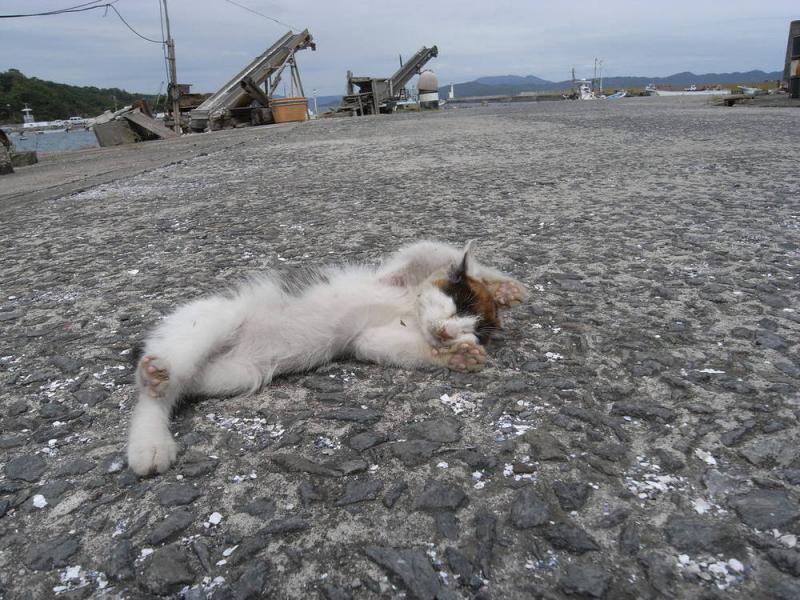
241	99
791	72
373	95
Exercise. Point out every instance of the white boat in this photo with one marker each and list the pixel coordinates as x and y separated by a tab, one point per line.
692	90
581	91
751	91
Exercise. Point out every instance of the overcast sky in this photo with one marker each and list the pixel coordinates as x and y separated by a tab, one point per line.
215	39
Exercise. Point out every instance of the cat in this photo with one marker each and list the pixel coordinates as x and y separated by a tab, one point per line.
427	304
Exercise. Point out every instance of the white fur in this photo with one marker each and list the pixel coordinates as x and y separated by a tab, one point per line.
236	343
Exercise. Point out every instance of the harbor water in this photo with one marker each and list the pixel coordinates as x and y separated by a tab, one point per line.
54	140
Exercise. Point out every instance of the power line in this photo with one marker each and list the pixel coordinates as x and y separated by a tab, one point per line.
255	12
55	12
86	6
121	18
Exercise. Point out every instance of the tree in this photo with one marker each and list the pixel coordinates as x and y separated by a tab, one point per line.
50	100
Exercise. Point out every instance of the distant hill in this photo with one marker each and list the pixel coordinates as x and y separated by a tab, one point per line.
509	85
51	101
512	80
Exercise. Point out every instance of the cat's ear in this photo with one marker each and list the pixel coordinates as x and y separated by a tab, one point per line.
469	248
459	272
467	262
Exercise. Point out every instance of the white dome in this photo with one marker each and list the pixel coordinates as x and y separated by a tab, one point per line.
427	82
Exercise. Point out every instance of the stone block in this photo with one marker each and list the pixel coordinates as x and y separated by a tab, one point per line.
24	158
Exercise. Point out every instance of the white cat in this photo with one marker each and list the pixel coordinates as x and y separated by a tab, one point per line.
428	304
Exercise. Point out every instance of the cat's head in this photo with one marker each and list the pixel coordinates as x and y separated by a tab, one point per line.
471	296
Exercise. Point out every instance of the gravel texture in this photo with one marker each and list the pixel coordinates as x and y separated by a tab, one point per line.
634	435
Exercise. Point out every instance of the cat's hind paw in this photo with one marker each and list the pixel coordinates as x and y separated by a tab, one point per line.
463	357
152	455
153	375
508	293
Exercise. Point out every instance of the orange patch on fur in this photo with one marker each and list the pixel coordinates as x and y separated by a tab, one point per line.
475	297
483	304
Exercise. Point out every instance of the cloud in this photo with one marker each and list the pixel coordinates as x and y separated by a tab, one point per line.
215	39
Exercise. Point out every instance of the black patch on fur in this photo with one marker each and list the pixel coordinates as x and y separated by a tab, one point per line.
459	288
137	350
466	306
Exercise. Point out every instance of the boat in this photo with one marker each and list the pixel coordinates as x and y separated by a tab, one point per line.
751	91
617	95
27	115
585	91
692	90
581	90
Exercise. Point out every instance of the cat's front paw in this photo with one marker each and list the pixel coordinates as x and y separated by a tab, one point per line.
449	332
153	454
508	293
463	356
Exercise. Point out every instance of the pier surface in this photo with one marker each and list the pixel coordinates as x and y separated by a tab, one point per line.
634	435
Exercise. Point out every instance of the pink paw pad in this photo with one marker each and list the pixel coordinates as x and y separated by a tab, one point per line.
153	375
464	357
508	294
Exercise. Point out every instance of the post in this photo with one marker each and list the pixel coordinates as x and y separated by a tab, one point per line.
173	75
791	72
254	91
296	76
601	77
314	91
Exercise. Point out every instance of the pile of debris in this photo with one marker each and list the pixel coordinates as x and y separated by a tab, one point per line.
130	124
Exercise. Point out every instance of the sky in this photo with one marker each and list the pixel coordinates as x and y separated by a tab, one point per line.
215	39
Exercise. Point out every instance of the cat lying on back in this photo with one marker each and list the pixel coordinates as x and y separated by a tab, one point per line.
428	304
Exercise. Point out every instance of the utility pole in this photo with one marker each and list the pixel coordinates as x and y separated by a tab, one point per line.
172	88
